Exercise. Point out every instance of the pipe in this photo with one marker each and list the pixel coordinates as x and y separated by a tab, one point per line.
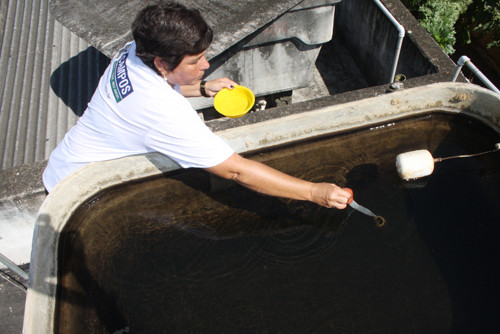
12	266
401	35
464	60
460	63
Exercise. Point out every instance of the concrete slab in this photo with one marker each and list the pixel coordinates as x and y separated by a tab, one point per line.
12	297
16	232
106	24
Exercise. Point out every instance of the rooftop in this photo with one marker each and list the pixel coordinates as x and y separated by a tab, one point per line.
49	72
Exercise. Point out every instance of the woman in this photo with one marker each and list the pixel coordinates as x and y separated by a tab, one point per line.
140	106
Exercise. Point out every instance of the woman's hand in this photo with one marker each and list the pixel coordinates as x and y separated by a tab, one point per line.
330	195
213	86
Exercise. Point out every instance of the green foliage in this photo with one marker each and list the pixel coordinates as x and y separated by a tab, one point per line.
413	6
483	18
439	18
455	21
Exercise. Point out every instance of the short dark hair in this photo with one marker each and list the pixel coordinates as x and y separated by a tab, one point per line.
170	31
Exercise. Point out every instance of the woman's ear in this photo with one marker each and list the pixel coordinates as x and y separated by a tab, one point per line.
160	66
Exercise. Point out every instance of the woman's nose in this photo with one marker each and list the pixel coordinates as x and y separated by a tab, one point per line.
204	64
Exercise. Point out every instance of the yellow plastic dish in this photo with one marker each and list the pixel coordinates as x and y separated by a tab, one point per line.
234	102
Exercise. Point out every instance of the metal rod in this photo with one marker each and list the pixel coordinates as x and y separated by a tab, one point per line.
401	35
496	149
12	266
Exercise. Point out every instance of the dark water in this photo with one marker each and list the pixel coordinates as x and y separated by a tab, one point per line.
188	253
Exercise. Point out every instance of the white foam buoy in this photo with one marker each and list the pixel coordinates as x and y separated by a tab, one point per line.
414	164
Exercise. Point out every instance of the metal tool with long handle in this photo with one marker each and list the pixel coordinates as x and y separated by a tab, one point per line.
362	209
379	220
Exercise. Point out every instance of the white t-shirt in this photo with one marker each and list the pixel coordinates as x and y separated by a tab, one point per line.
135	111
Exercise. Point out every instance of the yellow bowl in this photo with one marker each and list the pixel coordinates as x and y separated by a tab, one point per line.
234	102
